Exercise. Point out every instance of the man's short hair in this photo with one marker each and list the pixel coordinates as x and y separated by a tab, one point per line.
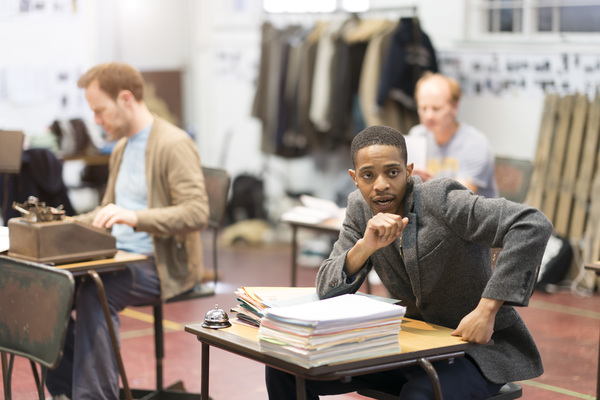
114	77
378	135
455	91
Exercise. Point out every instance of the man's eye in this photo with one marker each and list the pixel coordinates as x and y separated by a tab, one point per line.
394	172
366	176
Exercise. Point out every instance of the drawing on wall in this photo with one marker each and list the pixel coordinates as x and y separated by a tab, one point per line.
46	6
504	74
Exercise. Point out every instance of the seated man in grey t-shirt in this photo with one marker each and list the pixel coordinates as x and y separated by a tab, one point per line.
454	149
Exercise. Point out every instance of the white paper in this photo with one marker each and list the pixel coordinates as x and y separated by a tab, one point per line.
314	210
417	151
4	245
324	205
341	310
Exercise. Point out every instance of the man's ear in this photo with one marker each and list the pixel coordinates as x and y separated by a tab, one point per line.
409	169
125	97
454	105
353	176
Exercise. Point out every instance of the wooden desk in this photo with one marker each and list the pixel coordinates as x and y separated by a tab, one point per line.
596	268
329	226
103	265
421	343
92	159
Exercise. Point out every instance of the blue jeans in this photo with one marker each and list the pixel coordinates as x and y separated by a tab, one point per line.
460	380
88	368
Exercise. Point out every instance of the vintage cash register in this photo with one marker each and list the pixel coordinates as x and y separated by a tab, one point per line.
45	235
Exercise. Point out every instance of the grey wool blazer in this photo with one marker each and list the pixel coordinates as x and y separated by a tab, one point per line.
441	266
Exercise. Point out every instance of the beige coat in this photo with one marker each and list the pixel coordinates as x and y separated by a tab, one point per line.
177	205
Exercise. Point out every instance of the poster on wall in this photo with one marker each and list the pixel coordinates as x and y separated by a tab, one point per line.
515	74
32	96
10	9
26	85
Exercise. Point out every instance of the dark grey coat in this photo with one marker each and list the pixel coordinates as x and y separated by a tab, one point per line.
446	267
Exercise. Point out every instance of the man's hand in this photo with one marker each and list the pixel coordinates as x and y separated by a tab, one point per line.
381	230
112	214
478	325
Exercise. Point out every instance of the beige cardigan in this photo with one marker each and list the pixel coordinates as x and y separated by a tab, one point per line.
177	205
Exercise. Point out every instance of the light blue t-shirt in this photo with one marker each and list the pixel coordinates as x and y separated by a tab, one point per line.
131	192
467	156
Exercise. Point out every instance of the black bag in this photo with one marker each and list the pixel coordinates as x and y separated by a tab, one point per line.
247	200
73	137
555	263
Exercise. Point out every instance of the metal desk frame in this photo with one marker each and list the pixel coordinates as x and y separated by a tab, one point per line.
232	341
94	269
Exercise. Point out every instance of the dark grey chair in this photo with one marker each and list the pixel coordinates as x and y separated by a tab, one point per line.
513	177
35	305
217	182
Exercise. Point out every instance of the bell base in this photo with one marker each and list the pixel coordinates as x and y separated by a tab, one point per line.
217	325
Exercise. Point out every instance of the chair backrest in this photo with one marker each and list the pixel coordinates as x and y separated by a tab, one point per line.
35	304
512	177
11	150
217	182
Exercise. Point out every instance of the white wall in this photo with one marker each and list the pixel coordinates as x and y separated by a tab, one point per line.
511	124
43	53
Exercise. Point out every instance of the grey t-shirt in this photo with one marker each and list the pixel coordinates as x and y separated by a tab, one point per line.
468	155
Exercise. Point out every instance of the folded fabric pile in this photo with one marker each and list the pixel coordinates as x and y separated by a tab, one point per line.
340	329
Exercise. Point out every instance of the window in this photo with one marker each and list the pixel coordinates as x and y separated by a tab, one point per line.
580	18
504	16
537	16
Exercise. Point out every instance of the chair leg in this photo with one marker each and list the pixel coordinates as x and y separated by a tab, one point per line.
5	376
215	232
39	384
43	374
159	348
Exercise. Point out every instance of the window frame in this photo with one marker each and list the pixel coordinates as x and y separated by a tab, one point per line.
477	17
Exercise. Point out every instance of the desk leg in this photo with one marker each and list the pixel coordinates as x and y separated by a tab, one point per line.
204	373
300	388
111	331
294	253
435	380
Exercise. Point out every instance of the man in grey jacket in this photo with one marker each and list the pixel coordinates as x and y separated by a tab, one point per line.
430	245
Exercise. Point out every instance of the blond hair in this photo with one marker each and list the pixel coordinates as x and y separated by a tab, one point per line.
453	85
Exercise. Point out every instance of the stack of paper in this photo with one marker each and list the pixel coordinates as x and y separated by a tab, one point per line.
343	328
254	300
314	210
